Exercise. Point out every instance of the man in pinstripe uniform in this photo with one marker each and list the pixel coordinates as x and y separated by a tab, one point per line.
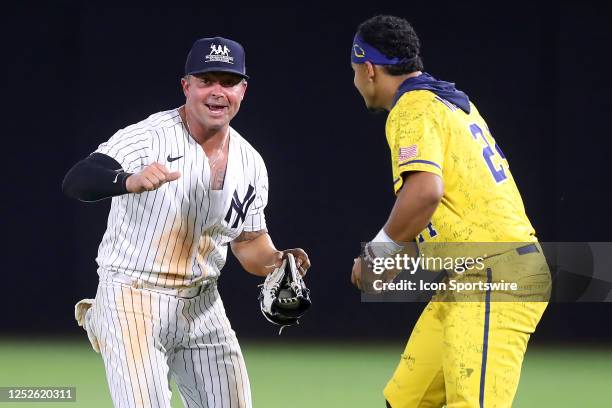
184	186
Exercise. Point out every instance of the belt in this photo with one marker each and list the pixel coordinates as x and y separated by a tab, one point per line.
183	292
527	249
522	250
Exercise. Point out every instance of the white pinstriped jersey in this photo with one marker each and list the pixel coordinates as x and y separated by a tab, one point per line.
178	234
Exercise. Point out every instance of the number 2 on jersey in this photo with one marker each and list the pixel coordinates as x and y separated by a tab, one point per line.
489	154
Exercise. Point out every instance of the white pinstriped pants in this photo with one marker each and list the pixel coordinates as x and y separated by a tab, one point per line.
146	337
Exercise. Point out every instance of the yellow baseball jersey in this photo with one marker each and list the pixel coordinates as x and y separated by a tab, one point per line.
481	202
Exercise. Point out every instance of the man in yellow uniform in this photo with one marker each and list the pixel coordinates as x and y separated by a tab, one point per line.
453	185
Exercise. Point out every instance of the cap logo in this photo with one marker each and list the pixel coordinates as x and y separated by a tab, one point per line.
219	53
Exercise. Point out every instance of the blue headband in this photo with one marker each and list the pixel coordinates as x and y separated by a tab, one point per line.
362	52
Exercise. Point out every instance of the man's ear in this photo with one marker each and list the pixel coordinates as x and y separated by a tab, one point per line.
244	88
370	71
185	85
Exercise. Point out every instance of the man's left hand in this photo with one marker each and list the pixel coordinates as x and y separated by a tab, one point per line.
301	259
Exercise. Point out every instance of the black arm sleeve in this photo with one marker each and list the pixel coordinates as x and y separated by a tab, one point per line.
94	178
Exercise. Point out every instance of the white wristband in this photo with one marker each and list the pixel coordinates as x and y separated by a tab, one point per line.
382	246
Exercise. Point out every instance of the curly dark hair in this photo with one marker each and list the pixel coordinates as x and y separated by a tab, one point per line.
394	37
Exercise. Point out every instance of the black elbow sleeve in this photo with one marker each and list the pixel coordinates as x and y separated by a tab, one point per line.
94	178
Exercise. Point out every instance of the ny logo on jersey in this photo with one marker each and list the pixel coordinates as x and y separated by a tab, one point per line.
241	207
218	50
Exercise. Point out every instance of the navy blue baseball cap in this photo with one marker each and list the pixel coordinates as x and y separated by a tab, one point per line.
216	54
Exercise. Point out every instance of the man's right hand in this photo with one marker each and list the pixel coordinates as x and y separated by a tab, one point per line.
150	178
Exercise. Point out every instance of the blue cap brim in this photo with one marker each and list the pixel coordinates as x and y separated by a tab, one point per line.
217	69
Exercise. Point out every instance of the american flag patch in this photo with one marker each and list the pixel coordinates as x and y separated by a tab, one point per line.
406	153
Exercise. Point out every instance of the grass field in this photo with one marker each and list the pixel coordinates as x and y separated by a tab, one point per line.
311	375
